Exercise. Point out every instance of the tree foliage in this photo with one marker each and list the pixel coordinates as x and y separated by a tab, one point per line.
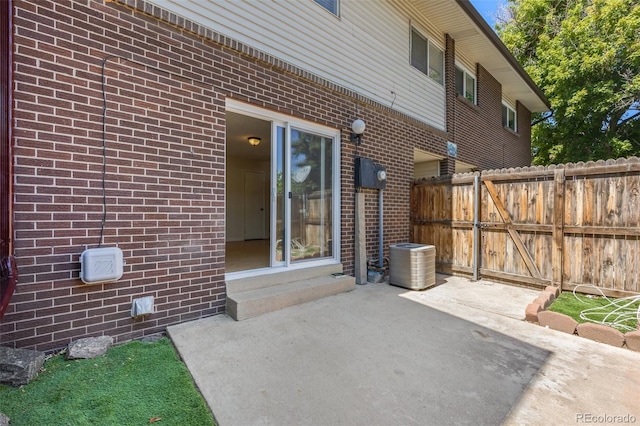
313	152
585	56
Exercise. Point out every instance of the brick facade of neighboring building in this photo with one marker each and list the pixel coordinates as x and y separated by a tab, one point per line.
500	146
166	81
477	130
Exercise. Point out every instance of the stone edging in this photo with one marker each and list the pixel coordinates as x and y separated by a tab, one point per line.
536	312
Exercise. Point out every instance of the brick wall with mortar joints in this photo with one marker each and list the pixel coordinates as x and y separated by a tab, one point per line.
479	133
165	138
166	205
477	130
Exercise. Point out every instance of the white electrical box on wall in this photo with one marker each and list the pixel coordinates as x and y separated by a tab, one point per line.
101	265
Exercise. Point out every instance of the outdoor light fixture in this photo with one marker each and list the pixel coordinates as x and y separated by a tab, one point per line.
357	128
254	141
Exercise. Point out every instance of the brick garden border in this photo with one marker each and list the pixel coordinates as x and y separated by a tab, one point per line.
536	312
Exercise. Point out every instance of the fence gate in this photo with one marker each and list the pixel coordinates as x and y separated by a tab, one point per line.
567	225
477	226
516	230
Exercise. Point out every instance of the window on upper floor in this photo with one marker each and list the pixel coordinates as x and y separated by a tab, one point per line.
330	5
466	84
509	117
427	57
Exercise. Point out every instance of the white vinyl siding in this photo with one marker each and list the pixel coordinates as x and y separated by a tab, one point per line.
367	50
426	170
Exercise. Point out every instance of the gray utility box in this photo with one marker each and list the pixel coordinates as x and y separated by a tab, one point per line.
369	174
412	266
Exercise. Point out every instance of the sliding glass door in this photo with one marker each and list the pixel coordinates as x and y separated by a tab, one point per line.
311	182
304	195
299	201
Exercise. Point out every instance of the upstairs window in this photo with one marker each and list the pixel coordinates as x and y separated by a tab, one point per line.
509	117
330	5
427	57
466	84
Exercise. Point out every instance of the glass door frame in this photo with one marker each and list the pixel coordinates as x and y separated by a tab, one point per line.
288	122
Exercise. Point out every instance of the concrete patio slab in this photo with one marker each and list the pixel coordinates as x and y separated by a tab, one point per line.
458	353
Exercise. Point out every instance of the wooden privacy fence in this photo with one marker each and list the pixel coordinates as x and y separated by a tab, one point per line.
563	225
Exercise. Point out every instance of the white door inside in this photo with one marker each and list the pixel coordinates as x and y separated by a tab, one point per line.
254	205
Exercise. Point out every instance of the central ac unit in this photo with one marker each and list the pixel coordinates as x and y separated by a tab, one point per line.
412	266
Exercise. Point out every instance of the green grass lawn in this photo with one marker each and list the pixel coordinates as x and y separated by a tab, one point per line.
133	384
621	314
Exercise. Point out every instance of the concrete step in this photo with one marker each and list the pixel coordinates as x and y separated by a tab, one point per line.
240	285
257	301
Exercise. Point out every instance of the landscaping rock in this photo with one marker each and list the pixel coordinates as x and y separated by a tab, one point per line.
544	300
19	366
554	290
633	340
551	295
531	312
152	338
89	347
4	420
601	333
557	321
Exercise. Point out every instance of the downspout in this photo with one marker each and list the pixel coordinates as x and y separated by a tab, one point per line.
10	126
6	109
8	269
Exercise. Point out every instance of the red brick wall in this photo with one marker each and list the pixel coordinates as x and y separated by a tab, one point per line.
481	138
389	142
477	129
164	175
165	163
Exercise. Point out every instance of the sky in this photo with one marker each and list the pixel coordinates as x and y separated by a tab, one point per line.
488	9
